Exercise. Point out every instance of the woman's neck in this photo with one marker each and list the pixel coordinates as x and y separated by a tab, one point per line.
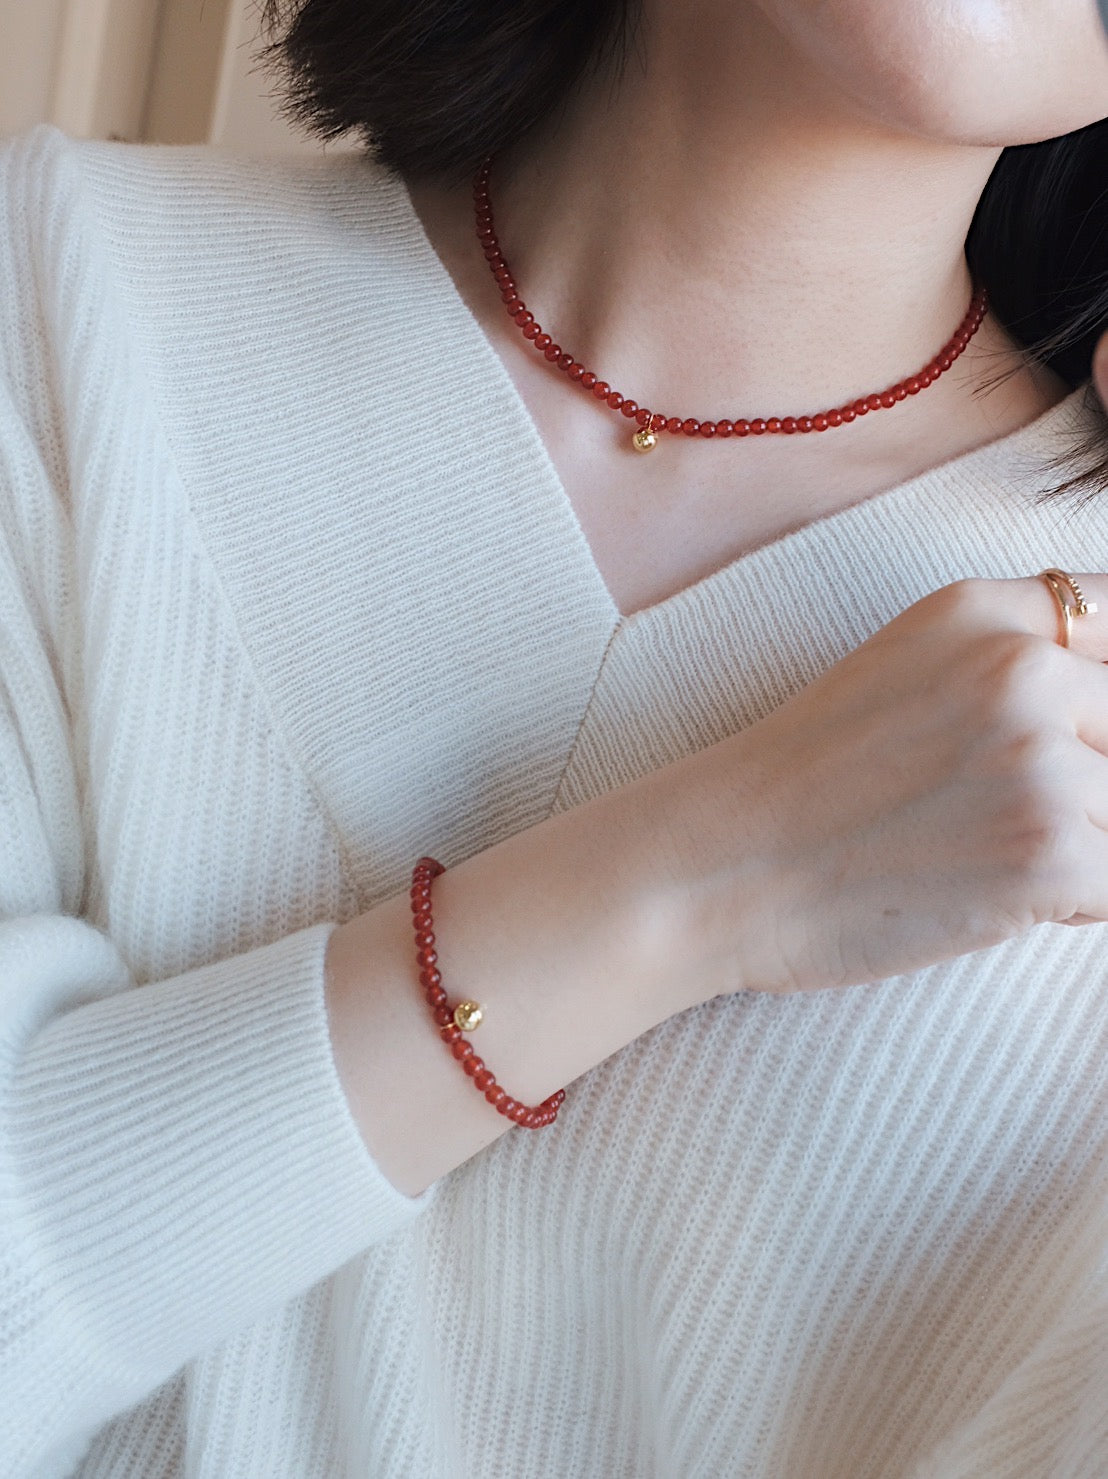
728	239
720	236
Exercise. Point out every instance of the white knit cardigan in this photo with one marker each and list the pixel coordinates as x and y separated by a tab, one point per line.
289	594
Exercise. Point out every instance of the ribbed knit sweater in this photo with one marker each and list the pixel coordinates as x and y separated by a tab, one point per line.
265	637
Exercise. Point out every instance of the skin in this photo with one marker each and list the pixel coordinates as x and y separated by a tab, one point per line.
765	216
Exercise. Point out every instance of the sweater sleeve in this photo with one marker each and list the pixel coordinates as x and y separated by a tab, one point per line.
177	1158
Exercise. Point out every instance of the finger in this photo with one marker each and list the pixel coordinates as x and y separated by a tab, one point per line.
1080	700
1042	613
1092	904
1086	776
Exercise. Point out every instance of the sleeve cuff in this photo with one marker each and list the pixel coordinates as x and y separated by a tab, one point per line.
187	1160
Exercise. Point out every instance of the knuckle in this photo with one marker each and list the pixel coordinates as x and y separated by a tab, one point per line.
1041	850
1042	819
963	600
1016	668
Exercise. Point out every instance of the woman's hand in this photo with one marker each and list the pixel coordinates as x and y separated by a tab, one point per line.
941	789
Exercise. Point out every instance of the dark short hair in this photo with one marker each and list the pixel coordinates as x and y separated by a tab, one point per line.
435	86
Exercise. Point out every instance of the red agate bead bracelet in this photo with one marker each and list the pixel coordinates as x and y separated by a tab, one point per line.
466	1015
651	423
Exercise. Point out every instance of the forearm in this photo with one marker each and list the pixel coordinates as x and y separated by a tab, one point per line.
573	935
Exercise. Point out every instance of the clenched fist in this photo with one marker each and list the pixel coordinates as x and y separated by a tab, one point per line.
941	789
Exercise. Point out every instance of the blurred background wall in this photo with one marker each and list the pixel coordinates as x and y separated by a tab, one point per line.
166	71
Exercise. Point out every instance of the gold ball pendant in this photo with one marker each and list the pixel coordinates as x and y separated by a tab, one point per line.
468	1015
644	440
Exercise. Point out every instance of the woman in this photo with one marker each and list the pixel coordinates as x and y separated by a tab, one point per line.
760	774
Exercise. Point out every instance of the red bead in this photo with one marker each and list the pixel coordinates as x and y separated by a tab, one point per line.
513	303
461	1050
658	422
834	418
553	351
886	399
690	427
914	385
773	424
523	317
601	389
673	425
848	413
820	423
805	423
576	371
945	361
565	361
495	1094
707	429
483	1079
452	1033
615	400
724	428
757	427
643	416
427	958
588	381
472	1065
507	1104
520	1113
541	340
443	1016
742	428
788	425
424	939
900	393
630	409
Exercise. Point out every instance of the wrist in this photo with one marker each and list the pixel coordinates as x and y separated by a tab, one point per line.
719	885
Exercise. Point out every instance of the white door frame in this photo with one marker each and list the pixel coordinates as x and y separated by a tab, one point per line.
102	67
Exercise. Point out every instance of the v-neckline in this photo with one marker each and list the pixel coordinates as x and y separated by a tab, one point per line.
494	368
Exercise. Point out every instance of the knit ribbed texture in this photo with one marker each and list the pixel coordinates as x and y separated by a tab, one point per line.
289	594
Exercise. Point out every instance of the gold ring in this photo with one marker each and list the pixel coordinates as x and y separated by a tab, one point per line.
1061	585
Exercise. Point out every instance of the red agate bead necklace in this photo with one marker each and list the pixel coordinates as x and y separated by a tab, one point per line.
650	424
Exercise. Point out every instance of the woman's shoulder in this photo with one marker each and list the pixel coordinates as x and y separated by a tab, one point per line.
162	188
194	251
